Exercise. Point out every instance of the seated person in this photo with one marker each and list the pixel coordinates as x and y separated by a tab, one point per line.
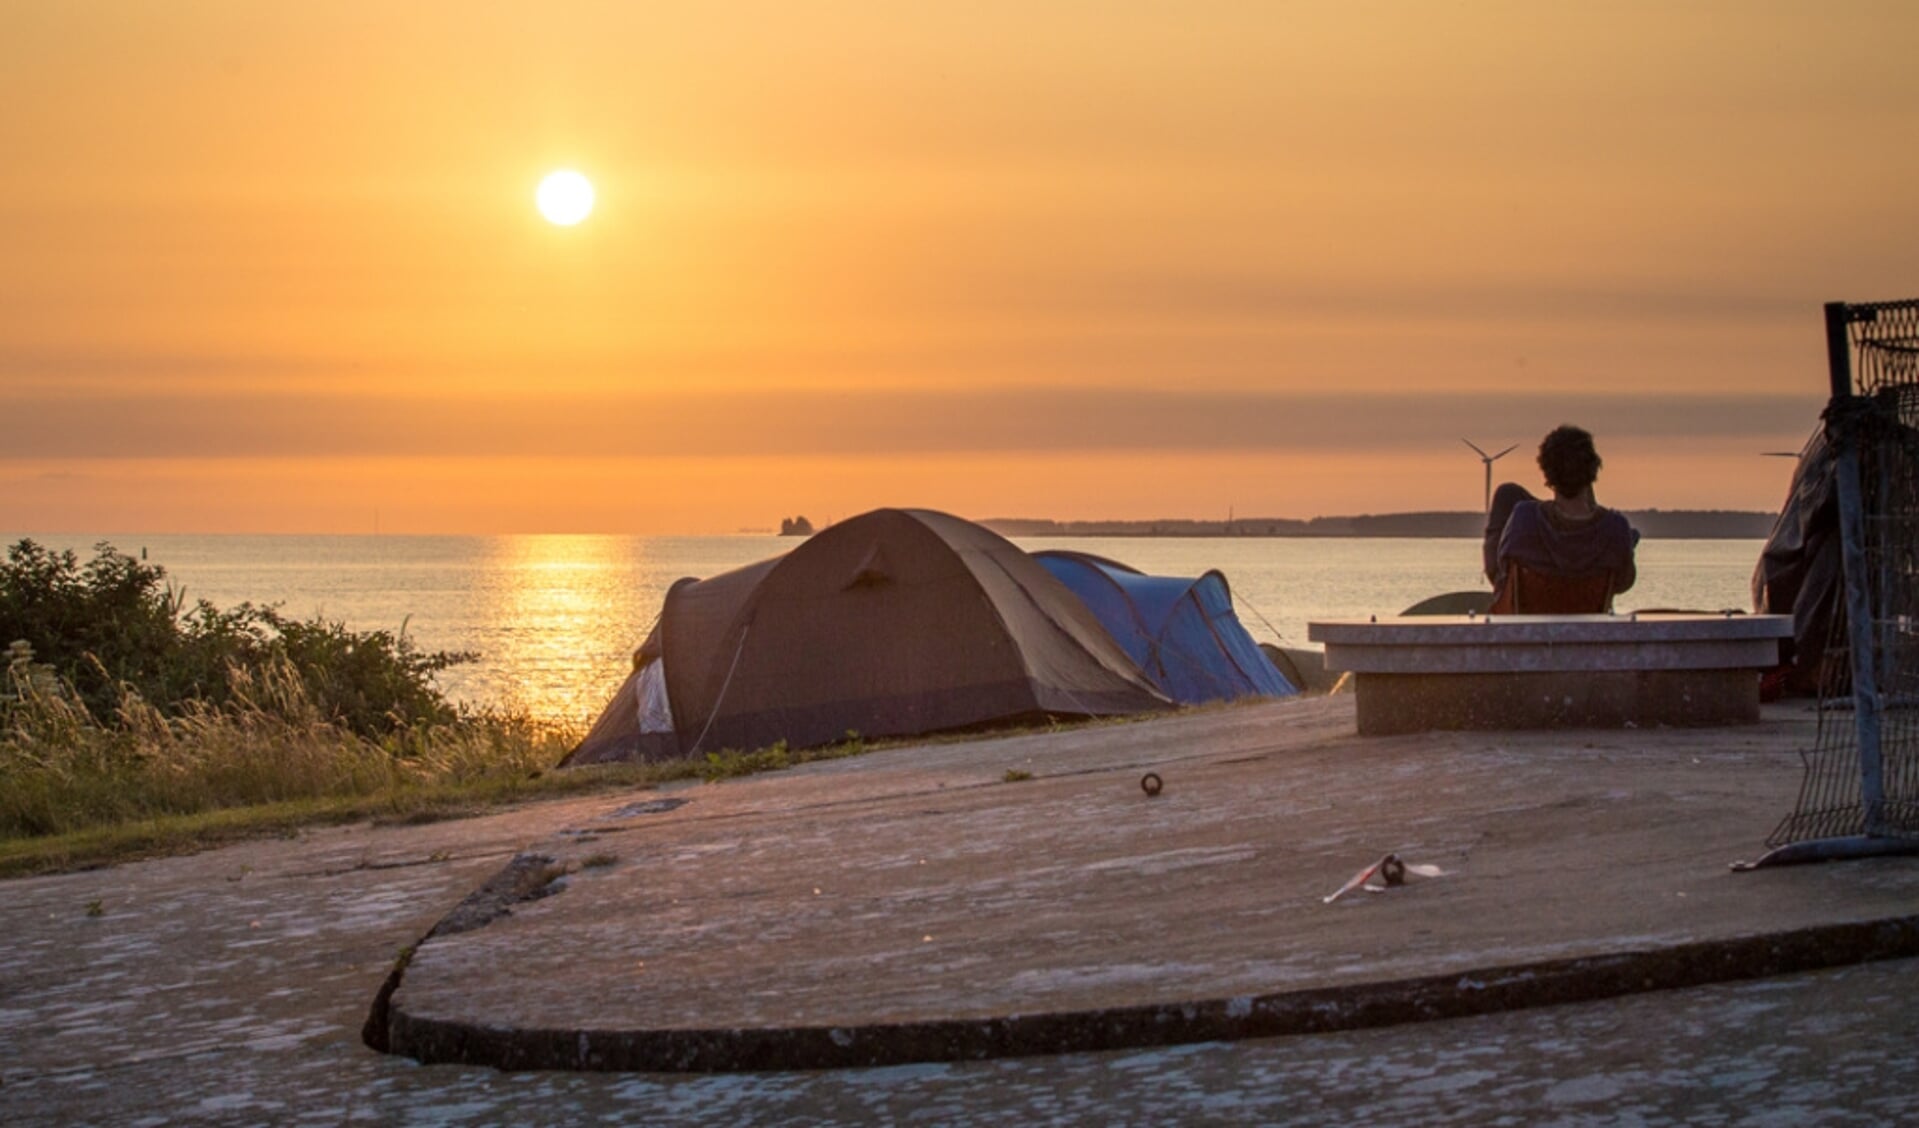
1568	535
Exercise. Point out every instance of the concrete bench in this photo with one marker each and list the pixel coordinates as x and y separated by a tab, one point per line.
1418	673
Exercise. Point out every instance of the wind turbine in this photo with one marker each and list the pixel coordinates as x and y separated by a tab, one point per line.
1489	459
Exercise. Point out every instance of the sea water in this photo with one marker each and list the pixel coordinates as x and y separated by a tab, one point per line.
555	618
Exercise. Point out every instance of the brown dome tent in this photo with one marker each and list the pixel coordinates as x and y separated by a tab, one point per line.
893	623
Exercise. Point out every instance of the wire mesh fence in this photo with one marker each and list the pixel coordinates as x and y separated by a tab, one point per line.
1862	775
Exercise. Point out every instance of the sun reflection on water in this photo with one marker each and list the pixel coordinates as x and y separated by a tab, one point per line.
551	605
556	617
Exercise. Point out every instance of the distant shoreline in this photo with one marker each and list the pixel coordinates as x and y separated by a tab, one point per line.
1654	524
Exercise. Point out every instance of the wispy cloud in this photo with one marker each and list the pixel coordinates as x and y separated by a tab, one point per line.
1033	420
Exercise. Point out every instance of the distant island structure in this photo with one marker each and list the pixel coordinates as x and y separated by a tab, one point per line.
795	527
1654	524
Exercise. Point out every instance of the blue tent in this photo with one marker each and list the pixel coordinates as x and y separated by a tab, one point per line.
1182	632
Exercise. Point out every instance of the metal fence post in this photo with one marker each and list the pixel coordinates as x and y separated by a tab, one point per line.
1858	582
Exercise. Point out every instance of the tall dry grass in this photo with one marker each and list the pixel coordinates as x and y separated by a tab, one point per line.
62	769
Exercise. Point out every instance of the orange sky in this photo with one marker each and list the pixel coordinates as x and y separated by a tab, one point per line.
276	267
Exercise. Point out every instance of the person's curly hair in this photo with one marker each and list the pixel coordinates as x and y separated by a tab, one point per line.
1567	457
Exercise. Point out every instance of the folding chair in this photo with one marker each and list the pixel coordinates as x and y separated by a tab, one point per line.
1531	591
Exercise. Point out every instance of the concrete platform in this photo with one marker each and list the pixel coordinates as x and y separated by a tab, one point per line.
1421	673
230	987
922	905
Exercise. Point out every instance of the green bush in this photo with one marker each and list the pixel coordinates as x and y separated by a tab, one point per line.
113	629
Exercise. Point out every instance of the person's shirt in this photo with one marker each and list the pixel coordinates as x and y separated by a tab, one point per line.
1540	537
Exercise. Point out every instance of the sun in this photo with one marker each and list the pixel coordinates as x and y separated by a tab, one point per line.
565	197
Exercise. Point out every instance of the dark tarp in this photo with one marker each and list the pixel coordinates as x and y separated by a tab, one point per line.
893	623
1798	573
